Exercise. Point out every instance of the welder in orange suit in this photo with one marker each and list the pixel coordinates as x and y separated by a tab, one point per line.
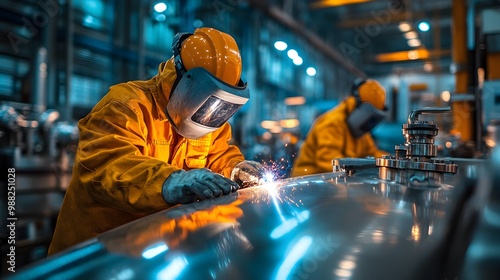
149	145
344	131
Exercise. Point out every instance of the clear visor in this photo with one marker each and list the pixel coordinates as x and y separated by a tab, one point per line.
215	112
201	103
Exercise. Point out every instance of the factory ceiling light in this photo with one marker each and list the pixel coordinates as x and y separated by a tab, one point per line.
413	55
404	26
289	123
268	124
335	3
445	96
424	26
311	71
403	55
292	53
160	7
370	28
276	129
296	100
428	67
298	60
411	35
280	45
414	43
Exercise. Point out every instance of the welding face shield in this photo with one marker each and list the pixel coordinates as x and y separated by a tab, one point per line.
370	109
201	103
364	118
208	89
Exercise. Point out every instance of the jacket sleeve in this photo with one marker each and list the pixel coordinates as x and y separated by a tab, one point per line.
112	160
223	157
330	139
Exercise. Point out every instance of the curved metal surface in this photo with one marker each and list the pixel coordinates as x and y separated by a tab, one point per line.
325	226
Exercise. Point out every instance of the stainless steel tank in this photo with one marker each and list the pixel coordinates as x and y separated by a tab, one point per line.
351	223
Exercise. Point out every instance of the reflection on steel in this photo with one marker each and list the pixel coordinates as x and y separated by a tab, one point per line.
414	163
324	226
351	165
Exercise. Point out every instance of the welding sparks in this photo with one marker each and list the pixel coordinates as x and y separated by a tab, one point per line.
269	177
274	172
276	169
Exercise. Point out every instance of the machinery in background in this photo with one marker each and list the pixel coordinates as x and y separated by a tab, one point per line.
491	118
352	223
414	162
41	149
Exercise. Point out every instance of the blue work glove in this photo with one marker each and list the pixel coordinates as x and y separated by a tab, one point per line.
197	184
248	173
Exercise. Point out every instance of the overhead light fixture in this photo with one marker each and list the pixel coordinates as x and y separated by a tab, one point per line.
292	53
276	129
424	26
411	35
414	43
404	26
403	55
311	71
296	100
267	135
160	7
445	96
289	123
298	60
428	67
334	3
280	45
268	124
412	55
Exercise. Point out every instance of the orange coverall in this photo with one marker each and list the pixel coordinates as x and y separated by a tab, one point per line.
330	138
127	149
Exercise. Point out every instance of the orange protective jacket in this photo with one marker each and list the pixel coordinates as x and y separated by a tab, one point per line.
126	151
330	138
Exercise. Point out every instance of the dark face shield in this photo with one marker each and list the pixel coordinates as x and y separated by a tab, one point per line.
201	103
364	118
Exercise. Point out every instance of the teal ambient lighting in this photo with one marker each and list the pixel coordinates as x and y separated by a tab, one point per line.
424	26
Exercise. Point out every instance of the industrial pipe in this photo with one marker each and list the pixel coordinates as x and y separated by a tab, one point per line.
463	117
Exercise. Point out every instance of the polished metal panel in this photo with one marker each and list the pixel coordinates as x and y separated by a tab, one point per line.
326	226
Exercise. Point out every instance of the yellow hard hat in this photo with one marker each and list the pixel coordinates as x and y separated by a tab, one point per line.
373	92
215	51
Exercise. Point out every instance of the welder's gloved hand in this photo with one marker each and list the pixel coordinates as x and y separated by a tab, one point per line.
248	173
197	184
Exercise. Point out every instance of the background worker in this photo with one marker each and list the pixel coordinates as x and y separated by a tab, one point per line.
343	132
149	145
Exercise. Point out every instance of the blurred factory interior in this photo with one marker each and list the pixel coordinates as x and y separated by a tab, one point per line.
300	57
